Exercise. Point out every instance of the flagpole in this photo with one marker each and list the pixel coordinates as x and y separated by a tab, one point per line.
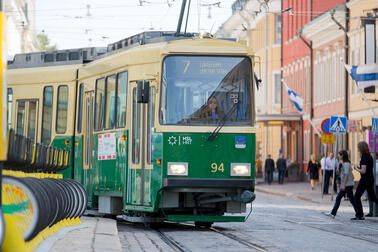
304	113
366	100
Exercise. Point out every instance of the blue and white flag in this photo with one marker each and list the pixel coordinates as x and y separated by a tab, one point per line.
294	98
364	75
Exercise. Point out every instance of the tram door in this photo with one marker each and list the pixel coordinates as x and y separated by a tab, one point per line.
27	118
88	152
140	151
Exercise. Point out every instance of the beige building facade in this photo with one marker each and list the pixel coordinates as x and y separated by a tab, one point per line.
358	109
260	24
20	26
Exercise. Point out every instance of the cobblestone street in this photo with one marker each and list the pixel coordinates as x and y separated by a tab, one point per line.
279	222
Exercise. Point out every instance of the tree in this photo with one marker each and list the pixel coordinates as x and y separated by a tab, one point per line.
44	43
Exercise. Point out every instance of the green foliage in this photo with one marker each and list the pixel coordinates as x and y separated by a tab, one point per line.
44	43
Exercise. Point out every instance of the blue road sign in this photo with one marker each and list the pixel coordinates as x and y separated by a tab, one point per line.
374	125
338	124
325	126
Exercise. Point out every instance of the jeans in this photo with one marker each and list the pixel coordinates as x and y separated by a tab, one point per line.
361	187
328	174
348	191
281	174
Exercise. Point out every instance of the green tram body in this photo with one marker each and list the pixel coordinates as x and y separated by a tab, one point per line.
121	150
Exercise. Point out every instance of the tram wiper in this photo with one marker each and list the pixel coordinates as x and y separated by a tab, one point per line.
223	121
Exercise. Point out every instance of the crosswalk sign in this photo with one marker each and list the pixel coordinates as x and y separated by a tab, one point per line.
338	124
374	125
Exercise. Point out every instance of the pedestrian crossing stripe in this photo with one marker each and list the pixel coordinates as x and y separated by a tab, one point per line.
338	124
374	125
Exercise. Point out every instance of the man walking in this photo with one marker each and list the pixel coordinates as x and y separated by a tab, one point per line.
330	166
281	167
269	168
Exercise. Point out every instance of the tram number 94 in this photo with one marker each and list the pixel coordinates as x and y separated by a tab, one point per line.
215	168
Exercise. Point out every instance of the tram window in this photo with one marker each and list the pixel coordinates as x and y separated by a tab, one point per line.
110	89
61	56
32	118
20	117
80	109
10	101
150	123
47	114
73	56
49	57
136	129
201	90
121	99
99	104
61	112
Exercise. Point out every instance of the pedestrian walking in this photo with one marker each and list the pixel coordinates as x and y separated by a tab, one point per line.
331	164
371	207
269	168
367	179
346	183
281	167
313	170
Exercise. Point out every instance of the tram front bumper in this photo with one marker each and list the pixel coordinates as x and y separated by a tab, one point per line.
208	183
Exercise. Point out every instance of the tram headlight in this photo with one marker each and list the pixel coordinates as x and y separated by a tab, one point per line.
238	169
178	168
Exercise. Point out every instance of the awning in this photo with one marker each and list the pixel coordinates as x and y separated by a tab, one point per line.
278	117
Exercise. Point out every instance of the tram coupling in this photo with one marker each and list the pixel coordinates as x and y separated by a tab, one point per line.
244	197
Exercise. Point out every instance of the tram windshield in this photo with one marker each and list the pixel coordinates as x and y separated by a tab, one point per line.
206	90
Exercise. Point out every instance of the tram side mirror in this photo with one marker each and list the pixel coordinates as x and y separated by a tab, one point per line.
143	91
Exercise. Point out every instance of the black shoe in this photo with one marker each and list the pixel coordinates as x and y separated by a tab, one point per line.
358	218
369	215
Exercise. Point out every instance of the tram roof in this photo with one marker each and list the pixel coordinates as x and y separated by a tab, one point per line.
89	54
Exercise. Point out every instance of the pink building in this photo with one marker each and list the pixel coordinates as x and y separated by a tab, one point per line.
298	71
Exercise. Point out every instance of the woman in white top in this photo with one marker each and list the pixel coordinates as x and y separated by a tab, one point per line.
346	185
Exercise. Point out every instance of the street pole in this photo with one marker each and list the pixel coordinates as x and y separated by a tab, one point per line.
323	170
334	168
375	174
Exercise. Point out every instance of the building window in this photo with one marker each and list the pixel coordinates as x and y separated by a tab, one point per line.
99	104
80	108
277	88
278	29
121	99
110	89
47	114
61	110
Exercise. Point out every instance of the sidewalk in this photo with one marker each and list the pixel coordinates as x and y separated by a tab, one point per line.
302	191
93	235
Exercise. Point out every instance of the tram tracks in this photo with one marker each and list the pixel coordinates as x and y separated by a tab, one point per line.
331	231
177	246
240	240
171	242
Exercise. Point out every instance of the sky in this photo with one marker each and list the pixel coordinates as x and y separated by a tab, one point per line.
83	23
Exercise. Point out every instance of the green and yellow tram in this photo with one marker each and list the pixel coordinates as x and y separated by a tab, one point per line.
160	127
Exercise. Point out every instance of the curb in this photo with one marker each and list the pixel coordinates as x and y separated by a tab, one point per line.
287	195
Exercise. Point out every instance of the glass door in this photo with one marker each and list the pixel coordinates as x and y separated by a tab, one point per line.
140	151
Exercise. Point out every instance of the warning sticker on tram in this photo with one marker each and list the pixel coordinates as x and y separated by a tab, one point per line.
107	146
